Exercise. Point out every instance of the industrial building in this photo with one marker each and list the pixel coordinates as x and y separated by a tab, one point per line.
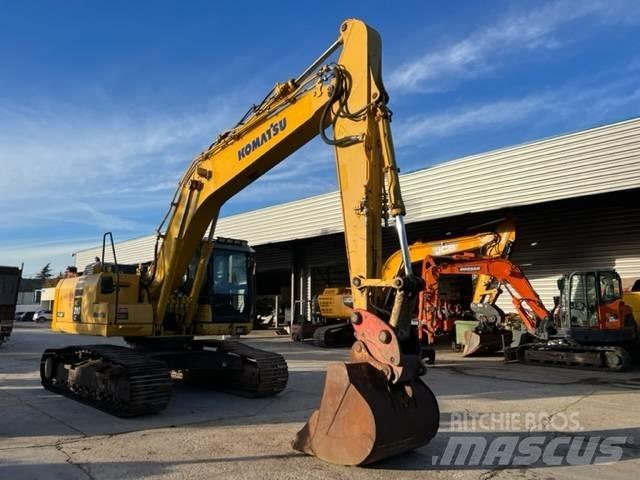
574	199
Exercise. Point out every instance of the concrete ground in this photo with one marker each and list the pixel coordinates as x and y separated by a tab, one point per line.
206	434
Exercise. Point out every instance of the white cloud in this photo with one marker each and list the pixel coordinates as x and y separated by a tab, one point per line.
484	49
587	103
420	128
69	168
36	255
61	147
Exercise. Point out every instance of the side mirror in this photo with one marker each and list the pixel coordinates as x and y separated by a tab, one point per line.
561	284
556	301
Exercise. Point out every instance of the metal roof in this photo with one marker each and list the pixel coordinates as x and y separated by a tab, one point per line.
597	160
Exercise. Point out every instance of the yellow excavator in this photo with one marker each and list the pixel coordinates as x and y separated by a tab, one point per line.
374	406
335	304
631	297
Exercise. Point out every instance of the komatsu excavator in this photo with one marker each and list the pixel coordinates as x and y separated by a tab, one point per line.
331	303
589	327
372	407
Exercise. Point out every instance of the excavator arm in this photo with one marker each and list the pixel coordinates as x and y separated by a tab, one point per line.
487	289
525	299
495	244
375	406
544	343
492	244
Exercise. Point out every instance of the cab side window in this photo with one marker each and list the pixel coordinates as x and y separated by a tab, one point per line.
610	288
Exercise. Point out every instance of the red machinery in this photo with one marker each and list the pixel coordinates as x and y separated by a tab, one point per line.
591	325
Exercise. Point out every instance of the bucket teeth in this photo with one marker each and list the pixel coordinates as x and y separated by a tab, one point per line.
363	419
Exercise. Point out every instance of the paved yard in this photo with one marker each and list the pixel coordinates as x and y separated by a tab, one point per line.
207	434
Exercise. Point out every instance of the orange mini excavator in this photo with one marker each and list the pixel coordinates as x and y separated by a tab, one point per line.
590	326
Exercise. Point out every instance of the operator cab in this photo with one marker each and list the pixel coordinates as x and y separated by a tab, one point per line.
227	294
591	310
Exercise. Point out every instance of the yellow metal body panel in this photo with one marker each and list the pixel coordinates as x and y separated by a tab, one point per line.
97	311
81	306
633	300
488	244
204	324
332	303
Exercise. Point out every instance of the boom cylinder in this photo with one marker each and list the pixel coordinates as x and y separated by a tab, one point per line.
404	245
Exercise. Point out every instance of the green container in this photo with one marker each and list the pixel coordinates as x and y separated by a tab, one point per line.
463	326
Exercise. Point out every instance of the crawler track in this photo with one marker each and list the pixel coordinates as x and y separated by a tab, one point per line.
615	359
128	382
115	379
263	373
332	336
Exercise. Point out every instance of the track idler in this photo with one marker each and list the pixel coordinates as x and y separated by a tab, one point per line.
372	408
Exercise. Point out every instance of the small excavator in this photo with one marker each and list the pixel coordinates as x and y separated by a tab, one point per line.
334	304
589	327
374	406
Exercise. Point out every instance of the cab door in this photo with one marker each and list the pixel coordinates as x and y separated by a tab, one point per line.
582	308
609	298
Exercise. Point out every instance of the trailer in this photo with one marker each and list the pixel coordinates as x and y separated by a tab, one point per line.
9	285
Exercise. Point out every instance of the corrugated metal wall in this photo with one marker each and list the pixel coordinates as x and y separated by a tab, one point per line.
590	162
274	257
136	250
594	161
597	232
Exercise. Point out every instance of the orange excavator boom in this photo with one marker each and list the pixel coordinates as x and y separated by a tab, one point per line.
523	296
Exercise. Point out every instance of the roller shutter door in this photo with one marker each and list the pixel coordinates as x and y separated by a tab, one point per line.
273	257
598	232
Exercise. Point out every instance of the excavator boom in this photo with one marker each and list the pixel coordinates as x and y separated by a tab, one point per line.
350	96
550	338
523	296
491	244
497	243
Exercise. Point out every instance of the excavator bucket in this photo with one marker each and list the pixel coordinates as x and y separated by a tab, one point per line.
476	343
363	419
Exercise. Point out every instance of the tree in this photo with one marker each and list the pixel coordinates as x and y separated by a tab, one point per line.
53	281
45	272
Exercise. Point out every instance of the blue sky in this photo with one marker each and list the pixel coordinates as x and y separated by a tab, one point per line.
103	104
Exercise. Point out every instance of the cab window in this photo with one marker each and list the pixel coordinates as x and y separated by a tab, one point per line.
583	300
610	288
